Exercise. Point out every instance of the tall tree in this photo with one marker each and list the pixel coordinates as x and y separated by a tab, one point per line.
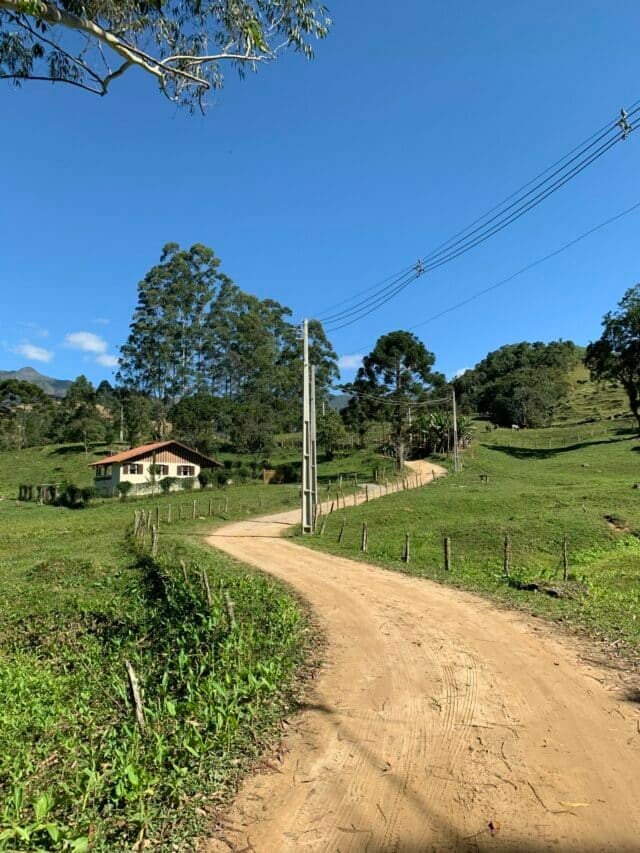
616	354
183	46
395	374
165	354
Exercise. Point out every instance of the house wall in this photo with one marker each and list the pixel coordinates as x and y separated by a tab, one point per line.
142	483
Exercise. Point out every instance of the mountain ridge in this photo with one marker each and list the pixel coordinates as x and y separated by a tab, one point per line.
49	384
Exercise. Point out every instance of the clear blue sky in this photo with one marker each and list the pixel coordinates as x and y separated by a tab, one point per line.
314	180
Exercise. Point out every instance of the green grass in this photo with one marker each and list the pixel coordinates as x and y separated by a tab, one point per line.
589	400
78	599
542	485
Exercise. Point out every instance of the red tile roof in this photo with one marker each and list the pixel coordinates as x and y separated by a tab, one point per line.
144	449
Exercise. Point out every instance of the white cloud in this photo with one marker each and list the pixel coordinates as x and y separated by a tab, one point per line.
86	341
461	372
350	362
107	360
32	352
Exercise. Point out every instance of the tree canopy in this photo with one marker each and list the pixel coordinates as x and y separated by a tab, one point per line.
616	354
520	384
395	374
185	46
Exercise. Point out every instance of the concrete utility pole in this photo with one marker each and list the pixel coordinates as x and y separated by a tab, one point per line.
307	474
456	456
314	446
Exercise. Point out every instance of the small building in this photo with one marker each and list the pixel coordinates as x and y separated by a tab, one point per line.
145	466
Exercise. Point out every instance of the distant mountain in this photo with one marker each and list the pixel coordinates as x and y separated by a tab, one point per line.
51	386
338	402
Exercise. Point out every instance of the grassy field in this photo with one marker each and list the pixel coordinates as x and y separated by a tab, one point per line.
79	599
542	485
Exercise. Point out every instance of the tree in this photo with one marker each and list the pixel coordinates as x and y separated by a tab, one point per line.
195	420
26	414
616	354
136	413
521	384
330	432
184	46
395	374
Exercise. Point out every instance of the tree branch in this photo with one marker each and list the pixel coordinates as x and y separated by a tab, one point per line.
66	80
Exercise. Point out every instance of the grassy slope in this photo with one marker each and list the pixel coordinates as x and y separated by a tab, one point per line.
77	601
542	484
592	400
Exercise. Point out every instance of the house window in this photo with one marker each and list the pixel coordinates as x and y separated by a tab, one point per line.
159	470
186	471
132	468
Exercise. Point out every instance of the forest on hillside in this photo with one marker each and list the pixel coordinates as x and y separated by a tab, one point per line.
219	368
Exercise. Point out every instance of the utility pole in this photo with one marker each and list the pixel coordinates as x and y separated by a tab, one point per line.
307	493
314	446
456	457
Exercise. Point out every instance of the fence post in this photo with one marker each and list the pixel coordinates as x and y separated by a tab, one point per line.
183	566
207	588
180	512
324	525
193	512
341	534
210	507
169	514
135	693
447	554
507	556
226	505
228	606
154	541
365	536
565	558
407	548
366	493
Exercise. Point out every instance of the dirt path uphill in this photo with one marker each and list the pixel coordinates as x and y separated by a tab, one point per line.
438	722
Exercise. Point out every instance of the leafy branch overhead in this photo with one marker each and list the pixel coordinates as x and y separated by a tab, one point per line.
184	45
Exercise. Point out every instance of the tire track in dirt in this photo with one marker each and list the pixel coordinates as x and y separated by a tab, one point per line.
438	722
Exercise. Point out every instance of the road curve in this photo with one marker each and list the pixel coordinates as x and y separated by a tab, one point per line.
438	722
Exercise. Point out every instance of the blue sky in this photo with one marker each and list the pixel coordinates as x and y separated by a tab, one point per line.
314	180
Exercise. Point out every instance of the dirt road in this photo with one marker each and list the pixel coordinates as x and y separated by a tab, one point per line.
437	723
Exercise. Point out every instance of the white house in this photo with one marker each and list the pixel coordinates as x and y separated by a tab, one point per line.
146	465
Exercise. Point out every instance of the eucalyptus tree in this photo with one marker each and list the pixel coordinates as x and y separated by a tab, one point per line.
185	47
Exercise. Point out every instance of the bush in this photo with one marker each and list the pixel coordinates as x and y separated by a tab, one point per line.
187	483
222	475
207	477
71	494
124	488
167	483
88	494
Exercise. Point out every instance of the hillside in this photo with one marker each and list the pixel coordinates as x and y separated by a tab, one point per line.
589	400
51	386
542	485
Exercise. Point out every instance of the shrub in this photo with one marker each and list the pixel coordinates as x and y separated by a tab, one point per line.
207	477
124	488
71	494
222	475
88	494
187	483
167	483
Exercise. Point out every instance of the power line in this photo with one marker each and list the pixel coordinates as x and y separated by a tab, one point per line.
471	237
390	401
526	268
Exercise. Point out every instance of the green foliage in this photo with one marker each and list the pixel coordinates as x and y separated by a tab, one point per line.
167	484
124	487
187	484
522	384
184	47
331	432
137	412
616	355
397	372
73	765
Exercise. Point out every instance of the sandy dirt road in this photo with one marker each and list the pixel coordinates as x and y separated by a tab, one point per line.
438	722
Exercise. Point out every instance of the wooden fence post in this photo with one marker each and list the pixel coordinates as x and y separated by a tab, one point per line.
207	588
183	566
226	505
193	512
407	548
158	517
169	514
341	534
324	524
506	565
210	507
366	493
135	693
180	512
154	541
228	606
365	537
447	554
